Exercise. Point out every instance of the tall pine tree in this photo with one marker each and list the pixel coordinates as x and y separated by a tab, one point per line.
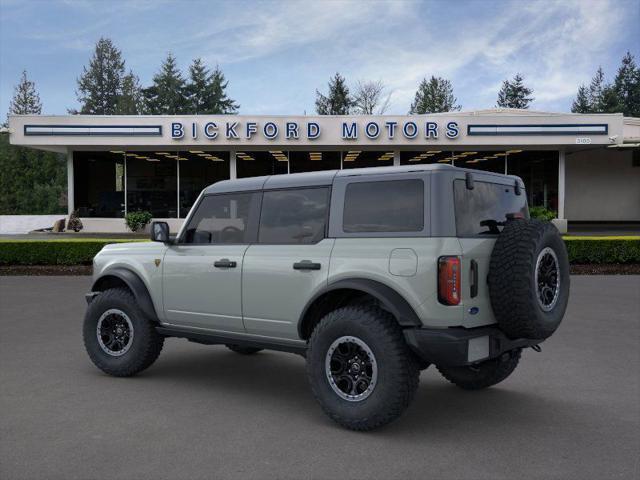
338	100
167	94
582	103
25	99
130	101
206	92
31	181
219	102
627	86
433	96
100	85
514	94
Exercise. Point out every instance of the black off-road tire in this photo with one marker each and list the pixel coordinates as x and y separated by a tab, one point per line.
512	279
484	374
145	346
241	349
397	369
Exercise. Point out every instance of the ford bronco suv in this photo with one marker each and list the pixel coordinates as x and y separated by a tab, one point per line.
371	274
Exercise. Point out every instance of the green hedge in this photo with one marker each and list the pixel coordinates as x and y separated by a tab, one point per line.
72	251
603	249
79	251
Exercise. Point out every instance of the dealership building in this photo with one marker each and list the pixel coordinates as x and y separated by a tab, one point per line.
585	167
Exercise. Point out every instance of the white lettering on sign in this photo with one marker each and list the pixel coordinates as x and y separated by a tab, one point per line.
583	141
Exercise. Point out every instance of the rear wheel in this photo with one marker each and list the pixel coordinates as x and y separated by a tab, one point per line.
118	337
361	371
482	375
242	349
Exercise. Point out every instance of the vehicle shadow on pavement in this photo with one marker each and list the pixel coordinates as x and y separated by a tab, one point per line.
278	381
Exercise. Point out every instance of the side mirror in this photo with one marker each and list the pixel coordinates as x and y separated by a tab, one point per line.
160	232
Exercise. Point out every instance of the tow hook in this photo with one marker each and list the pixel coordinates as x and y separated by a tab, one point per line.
536	348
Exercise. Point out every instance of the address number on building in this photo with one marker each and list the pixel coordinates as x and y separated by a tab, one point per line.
583	141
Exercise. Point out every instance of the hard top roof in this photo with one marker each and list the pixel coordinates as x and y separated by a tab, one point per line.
326	177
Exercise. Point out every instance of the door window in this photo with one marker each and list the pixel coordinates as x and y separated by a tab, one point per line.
296	216
224	219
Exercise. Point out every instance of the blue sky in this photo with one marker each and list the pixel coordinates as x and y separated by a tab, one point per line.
275	54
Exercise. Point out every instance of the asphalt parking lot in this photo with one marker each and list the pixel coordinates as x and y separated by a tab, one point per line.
572	411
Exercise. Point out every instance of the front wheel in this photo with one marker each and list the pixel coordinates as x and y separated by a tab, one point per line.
118	337
361	371
482	375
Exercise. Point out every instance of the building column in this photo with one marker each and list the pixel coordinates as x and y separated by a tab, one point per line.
561	183
396	158
561	222
233	174
178	188
70	183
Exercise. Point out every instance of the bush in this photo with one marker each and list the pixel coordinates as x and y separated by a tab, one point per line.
73	251
137	220
75	223
79	251
542	213
603	249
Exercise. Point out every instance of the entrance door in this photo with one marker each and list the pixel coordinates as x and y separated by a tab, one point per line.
289	263
202	273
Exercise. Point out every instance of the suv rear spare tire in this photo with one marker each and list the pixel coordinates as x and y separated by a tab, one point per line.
529	279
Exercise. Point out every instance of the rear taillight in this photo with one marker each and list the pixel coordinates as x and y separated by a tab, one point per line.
449	280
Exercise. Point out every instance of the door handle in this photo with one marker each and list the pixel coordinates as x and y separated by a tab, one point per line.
224	263
306	265
474	279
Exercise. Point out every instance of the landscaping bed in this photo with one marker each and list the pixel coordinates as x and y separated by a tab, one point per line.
73	256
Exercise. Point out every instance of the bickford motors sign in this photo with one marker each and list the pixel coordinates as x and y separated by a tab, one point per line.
294	130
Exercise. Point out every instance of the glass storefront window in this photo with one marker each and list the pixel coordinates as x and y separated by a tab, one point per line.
539	171
313	161
259	163
199	169
427	156
152	184
364	158
99	184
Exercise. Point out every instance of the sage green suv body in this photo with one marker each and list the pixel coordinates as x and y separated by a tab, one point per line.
263	262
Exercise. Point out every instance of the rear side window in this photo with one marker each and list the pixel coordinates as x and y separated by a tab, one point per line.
384	206
223	219
483	210
296	216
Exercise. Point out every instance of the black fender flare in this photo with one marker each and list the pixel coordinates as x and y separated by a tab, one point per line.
395	303
135	284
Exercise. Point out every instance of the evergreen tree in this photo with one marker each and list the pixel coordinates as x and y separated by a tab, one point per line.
581	104
218	100
433	96
196	89
596	91
338	101
514	94
206	92
31	181
25	99
100	85
627	86
167	95
130	101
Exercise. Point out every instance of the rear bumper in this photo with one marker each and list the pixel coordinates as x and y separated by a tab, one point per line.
461	346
